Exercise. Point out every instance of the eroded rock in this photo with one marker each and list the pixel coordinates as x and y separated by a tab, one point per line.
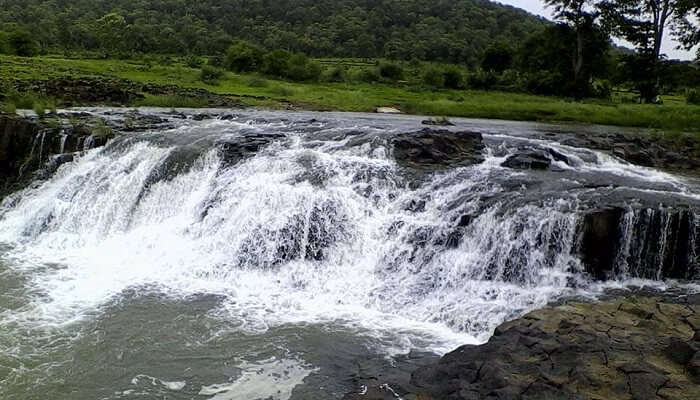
615	349
436	149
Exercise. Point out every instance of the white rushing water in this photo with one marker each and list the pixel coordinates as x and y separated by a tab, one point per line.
303	231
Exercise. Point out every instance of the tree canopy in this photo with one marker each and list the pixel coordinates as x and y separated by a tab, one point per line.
437	30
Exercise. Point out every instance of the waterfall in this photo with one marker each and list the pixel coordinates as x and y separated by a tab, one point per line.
312	221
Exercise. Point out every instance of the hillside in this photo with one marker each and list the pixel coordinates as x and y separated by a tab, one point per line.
441	30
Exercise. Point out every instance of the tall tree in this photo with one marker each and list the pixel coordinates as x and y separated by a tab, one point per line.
581	16
645	24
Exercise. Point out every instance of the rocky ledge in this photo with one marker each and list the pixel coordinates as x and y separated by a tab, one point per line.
646	346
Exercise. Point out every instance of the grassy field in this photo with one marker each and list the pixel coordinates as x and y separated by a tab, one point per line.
256	90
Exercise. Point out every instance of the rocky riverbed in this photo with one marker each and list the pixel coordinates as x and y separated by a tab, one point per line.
632	345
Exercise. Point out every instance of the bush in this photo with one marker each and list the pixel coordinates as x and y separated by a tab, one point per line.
602	89
276	63
194	61
434	77
242	56
367	75
390	71
510	80
335	74
481	79
300	68
544	82
693	97
210	75
22	44
453	78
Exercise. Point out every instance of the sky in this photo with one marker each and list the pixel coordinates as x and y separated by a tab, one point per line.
537	7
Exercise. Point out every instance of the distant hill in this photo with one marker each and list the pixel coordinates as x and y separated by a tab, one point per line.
440	30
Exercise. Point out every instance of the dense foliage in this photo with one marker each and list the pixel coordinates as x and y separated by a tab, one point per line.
445	30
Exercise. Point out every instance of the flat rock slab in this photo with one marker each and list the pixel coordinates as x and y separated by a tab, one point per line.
622	348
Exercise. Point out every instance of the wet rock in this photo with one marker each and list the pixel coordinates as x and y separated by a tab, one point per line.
238	148
534	159
436	149
617	241
574	351
645	149
437	122
599	244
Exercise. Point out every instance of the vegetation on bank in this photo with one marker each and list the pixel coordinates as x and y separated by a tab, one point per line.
411	94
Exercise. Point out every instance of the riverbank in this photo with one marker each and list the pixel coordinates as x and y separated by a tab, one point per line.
638	344
178	85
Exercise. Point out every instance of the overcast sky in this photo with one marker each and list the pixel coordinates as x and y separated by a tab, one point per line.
536	7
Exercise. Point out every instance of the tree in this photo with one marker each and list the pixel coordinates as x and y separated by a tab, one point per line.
111	32
497	57
551	73
645	23
22	44
581	16
243	57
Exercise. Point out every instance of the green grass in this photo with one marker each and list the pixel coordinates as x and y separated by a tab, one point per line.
674	115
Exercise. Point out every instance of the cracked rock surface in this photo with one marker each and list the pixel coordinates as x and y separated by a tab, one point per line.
640	347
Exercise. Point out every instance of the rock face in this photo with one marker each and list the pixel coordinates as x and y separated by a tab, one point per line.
651	243
637	348
435	149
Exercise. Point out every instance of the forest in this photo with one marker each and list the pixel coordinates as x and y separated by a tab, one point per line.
442	30
445	44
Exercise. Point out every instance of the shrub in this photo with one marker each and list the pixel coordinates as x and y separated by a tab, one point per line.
22	44
544	82
602	89
510	80
481	79
434	77
367	75
194	61
335	74
453	78
693	97
210	75
390	71
243	56
276	63
300	68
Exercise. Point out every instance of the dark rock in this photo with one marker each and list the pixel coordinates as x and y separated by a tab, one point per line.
465	220
436	149
238	148
573	351
437	122
681	351
600	238
693	367
534	159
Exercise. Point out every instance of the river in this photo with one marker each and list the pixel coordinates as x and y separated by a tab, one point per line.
288	255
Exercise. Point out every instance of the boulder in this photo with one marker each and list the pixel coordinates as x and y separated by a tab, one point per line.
533	159
436	149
